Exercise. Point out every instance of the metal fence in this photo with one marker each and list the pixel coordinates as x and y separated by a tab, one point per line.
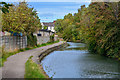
10	43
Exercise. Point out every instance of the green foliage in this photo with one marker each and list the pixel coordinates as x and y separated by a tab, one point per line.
45	27
48	43
21	18
33	70
97	25
31	40
65	28
52	38
4	7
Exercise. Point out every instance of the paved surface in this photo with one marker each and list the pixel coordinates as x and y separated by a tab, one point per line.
14	67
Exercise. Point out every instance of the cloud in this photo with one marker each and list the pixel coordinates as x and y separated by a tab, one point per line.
45	19
47	0
46	14
55	10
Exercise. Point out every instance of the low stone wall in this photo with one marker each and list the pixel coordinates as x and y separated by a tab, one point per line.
56	38
43	39
48	51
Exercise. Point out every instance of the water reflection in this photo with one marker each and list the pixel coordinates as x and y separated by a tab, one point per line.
75	61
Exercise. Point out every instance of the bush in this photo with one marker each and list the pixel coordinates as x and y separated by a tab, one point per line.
52	38
31	40
92	46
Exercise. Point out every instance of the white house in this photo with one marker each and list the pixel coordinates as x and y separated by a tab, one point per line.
46	32
50	26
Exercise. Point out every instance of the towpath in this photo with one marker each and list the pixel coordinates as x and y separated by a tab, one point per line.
14	67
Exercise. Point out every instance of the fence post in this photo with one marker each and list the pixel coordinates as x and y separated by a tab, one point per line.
22	42
25	41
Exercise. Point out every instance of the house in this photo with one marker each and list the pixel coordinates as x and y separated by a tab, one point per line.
47	29
49	25
43	32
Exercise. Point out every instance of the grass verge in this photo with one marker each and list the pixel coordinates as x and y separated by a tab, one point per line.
5	55
33	70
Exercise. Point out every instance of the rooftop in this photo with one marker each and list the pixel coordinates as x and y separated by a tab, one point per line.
45	30
50	24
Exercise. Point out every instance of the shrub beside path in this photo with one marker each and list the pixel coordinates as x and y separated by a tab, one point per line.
14	67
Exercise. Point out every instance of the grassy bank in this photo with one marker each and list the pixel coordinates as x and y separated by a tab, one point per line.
33	70
5	54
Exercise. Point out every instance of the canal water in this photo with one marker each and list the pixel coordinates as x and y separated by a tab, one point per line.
75	61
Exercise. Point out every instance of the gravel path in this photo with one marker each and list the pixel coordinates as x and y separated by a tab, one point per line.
14	67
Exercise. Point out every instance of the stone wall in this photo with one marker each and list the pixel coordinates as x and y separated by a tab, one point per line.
11	43
49	50
43	39
56	38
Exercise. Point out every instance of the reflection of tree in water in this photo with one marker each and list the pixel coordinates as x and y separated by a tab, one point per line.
79	48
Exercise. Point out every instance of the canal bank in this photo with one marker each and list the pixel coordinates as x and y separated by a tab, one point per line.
46	51
34	61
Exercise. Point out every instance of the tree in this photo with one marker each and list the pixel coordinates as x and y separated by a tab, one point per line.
4	7
96	25
45	27
21	18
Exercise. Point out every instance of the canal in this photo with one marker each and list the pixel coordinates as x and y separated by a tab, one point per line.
75	61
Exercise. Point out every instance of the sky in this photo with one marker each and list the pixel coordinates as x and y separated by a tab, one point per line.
50	10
